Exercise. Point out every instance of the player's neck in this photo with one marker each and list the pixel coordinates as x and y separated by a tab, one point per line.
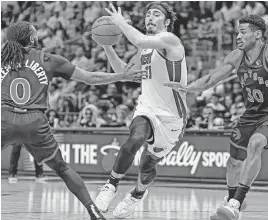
254	51
157	32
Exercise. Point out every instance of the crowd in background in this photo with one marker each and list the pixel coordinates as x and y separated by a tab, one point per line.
64	28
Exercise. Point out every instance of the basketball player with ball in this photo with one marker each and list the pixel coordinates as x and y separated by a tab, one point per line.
160	115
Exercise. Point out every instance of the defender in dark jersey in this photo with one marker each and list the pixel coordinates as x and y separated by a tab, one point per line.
25	76
250	136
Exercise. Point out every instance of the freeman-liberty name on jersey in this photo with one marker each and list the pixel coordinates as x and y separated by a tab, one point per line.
34	66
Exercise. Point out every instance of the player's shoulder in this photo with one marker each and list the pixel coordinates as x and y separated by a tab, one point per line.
234	56
235	53
169	37
48	57
34	51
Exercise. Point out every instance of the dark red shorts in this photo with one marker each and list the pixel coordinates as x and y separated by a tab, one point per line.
242	133
32	129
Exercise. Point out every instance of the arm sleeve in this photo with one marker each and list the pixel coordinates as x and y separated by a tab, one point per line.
59	66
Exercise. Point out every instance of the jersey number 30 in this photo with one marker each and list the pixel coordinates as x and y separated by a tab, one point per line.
26	91
255	94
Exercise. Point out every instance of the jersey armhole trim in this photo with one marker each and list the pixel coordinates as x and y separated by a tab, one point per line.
178	61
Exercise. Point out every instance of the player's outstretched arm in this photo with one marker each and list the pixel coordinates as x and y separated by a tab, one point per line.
59	66
117	64
211	79
97	78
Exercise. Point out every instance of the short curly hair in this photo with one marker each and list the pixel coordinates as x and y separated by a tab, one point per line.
255	23
171	15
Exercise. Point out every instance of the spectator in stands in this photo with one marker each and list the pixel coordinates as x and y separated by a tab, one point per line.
205	11
41	14
60	32
87	120
7	15
255	8
228	101
89	117
53	96
66	104
231	11
93	99
42	32
51	40
118	118
236	91
53	118
208	120
80	60
190	121
215	104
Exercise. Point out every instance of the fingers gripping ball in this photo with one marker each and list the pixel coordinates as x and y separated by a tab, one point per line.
105	32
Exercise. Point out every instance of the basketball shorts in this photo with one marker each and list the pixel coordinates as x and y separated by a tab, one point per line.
31	129
167	131
245	128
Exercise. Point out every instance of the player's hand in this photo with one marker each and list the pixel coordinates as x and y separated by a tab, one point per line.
177	86
130	65
133	75
116	16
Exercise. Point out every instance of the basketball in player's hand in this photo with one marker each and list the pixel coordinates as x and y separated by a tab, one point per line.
105	32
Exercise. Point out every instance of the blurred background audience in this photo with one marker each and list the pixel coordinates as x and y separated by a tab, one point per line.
64	28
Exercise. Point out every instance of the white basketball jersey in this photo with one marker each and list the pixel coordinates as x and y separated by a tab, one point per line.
163	100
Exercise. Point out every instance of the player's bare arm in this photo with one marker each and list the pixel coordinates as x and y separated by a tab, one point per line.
63	68
97	78
211	79
162	40
119	65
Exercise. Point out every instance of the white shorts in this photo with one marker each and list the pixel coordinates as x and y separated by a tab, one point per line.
167	131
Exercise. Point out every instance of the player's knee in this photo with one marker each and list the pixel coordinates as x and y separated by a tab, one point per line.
139	137
146	168
134	143
57	164
147	175
256	144
58	167
233	164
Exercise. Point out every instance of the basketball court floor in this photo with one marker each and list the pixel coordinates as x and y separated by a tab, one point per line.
28	200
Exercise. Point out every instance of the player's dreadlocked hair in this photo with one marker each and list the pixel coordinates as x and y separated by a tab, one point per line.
255	23
13	53
168	11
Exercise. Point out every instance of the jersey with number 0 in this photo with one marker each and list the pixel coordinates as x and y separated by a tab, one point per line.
254	80
27	87
163	100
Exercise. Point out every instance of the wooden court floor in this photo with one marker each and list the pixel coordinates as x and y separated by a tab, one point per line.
27	200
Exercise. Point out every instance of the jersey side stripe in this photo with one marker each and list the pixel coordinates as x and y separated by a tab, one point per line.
177	103
184	116
182	105
171	67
